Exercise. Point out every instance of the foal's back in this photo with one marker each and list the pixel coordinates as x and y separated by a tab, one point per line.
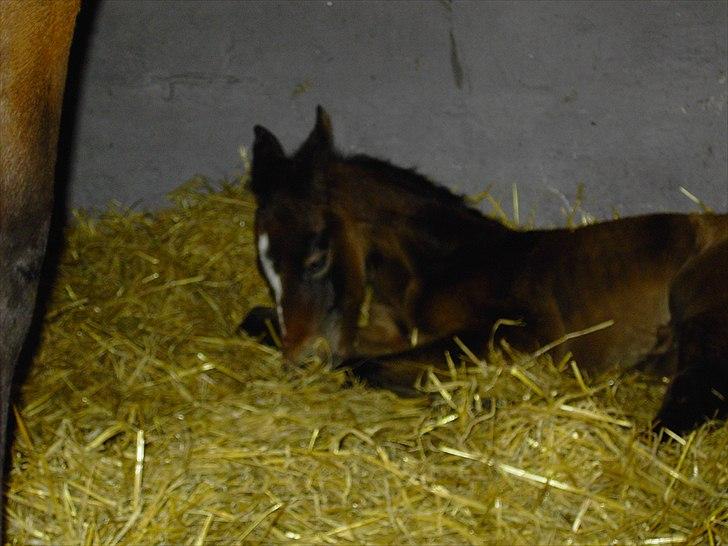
620	270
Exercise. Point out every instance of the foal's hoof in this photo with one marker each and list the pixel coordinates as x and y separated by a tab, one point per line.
383	375
261	323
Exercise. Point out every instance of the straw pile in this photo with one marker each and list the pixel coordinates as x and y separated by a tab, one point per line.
145	420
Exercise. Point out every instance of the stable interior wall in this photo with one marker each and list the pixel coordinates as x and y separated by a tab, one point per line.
626	98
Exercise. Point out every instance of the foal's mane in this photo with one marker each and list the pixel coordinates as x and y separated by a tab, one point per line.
413	185
432	220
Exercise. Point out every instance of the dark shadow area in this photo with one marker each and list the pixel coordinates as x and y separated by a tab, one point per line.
59	216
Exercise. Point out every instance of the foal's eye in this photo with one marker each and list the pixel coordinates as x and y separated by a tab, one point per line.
319	261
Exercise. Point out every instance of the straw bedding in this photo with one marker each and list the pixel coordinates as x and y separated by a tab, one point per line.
146	419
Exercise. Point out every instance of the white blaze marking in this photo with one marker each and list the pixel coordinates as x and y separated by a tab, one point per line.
274	280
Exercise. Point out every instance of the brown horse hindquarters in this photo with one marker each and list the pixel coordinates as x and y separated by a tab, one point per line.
669	273
556	282
617	271
35	37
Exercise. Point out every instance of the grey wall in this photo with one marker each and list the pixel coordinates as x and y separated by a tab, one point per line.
627	97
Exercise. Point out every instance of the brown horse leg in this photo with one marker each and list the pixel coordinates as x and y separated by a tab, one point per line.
699	309
34	44
700	389
399	377
400	372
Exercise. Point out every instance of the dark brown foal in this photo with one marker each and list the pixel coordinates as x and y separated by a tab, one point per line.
337	235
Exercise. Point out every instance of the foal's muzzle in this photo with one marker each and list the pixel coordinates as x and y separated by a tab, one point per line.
317	348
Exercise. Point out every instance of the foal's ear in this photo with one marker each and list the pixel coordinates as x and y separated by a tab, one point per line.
266	146
267	156
323	128
321	138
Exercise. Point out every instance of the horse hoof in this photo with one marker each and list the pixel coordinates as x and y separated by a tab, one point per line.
261	323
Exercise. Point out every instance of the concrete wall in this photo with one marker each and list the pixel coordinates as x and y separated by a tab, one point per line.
627	97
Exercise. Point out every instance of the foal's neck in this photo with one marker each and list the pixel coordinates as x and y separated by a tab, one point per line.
423	225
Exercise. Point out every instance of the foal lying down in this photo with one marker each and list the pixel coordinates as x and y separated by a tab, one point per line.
340	234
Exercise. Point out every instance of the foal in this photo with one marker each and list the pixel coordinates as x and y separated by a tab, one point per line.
338	234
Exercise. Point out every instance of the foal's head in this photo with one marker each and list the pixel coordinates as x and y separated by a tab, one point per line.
329	226
305	252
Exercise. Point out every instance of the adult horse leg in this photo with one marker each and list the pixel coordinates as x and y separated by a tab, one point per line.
699	315
35	37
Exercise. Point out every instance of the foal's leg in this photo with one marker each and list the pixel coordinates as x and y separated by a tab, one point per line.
261	323
699	309
383	373
700	389
400	372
